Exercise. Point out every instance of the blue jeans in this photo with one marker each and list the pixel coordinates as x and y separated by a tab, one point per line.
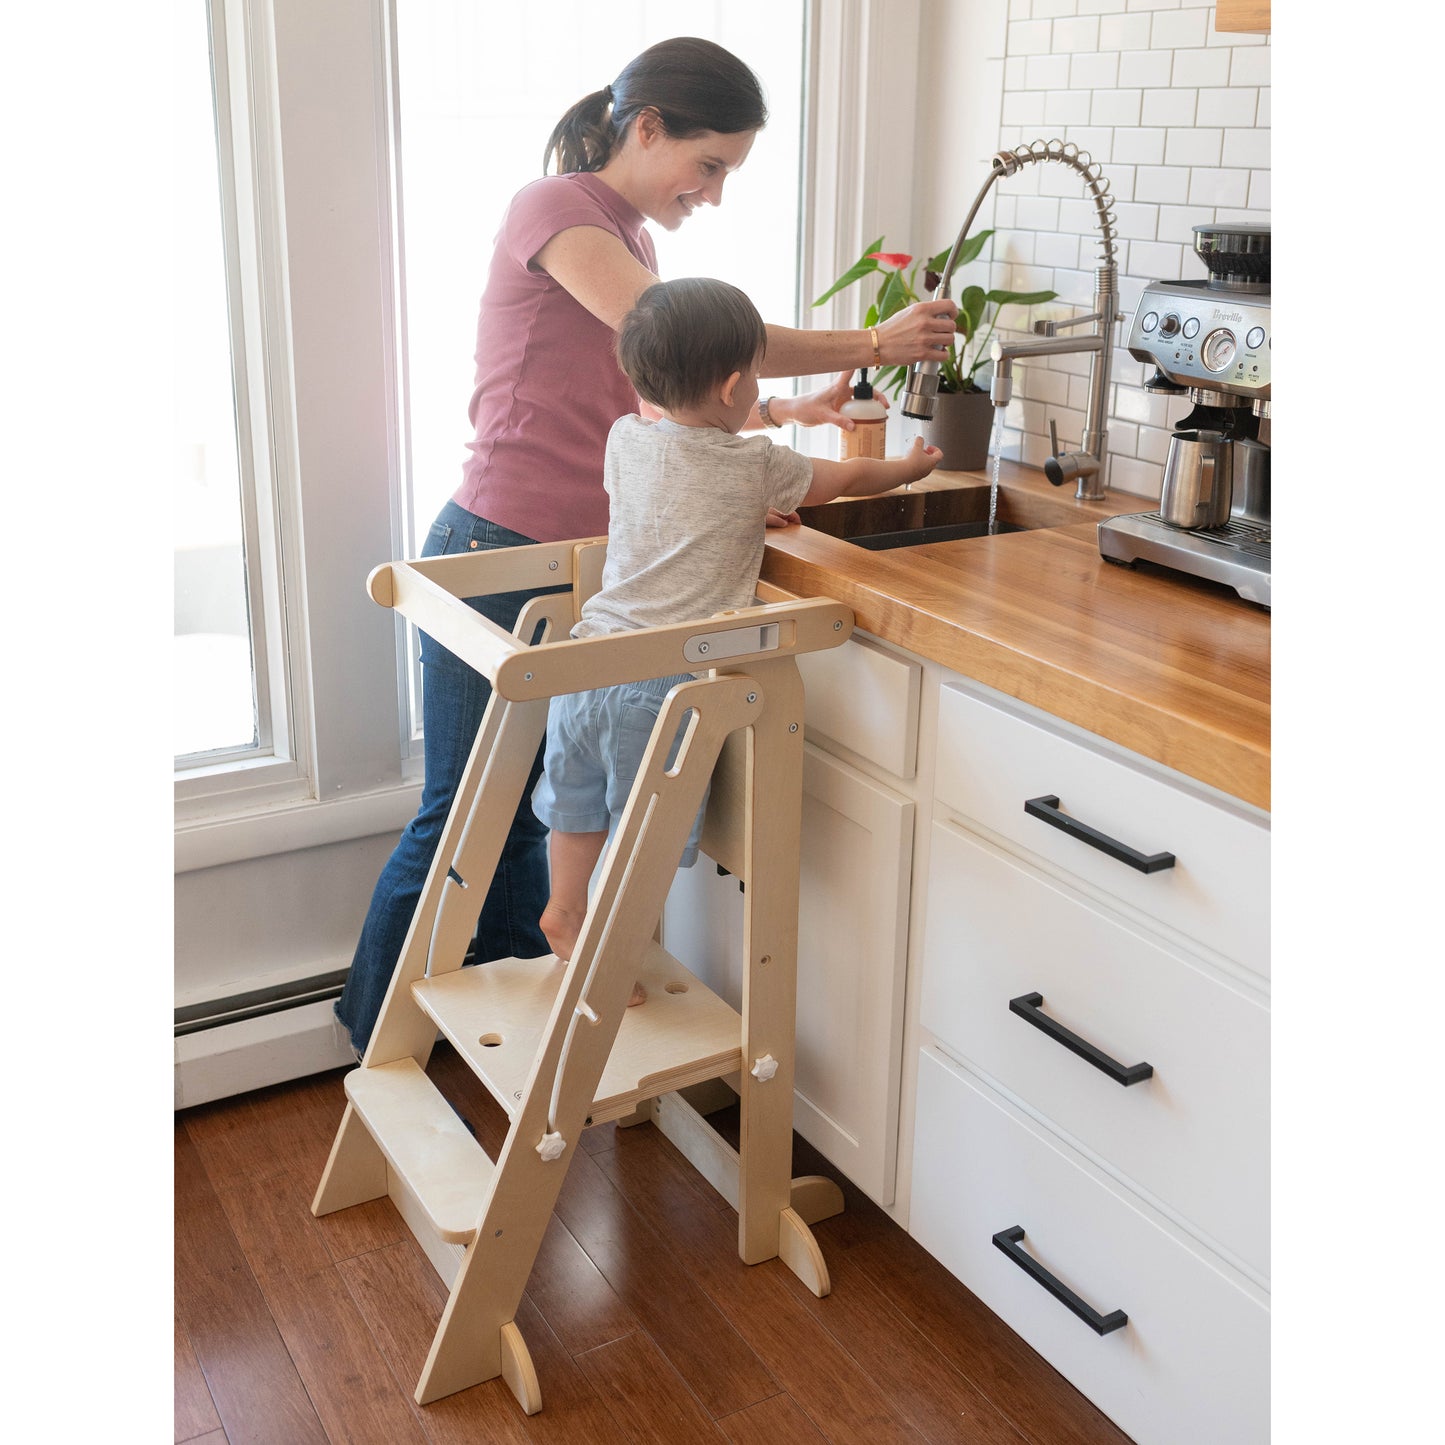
454	697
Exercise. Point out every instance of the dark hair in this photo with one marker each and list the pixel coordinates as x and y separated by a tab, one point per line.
685	337
693	85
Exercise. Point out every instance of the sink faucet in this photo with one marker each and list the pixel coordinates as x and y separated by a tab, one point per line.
1085	466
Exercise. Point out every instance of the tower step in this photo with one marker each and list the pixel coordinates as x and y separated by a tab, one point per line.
495	1014
425	1143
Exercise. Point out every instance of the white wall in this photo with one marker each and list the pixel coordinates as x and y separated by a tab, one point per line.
1177	115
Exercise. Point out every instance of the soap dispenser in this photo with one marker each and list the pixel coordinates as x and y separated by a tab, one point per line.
870	423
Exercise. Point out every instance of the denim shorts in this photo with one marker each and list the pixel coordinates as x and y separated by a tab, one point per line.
595	744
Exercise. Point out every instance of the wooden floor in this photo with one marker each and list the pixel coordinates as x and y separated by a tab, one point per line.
642	1322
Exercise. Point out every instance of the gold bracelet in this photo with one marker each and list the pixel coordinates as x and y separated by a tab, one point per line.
877	349
764	415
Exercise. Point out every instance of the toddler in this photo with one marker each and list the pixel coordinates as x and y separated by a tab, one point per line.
689	500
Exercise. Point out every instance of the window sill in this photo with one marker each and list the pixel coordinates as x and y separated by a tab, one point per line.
291	827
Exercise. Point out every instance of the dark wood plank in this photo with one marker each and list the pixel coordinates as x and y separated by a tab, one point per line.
336	1355
257	1392
778	1421
573	1295
833	1388
710	1354
1020	1383
195	1411
641	1387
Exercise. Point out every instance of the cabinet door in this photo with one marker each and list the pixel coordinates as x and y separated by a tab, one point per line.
1190	1366
856	867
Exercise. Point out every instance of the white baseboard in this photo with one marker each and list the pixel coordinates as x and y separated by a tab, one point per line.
235	1058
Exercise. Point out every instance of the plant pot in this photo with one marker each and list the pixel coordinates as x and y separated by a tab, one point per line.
960	428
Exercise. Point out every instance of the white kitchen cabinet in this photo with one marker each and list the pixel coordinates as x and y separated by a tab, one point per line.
855	877
1092	1052
1191	1364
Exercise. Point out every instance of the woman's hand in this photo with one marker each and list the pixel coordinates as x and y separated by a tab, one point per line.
819	408
921	332
775	518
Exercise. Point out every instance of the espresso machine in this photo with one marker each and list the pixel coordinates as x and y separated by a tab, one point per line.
1210	339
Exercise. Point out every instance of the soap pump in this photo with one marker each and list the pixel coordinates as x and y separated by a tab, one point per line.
870	422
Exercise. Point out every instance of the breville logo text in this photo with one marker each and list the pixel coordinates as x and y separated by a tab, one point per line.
1228	315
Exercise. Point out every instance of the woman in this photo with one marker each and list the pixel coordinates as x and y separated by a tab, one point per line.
570	260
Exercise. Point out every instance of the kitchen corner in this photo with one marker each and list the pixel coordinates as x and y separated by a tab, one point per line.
1166	665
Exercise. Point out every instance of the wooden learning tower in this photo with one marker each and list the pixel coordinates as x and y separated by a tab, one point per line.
555	1042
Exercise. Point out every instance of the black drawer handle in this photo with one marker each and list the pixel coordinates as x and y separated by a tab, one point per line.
1047	808
1008	1241
1028	1007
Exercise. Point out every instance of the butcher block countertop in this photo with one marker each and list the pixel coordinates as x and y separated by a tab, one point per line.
1166	665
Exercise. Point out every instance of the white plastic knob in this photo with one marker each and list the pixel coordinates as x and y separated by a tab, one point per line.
551	1147
764	1068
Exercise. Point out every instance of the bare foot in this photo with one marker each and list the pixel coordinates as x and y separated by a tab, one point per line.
560	928
639	995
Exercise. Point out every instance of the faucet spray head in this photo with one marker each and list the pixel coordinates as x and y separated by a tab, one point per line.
922	388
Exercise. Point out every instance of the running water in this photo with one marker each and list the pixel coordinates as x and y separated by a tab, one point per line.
997	458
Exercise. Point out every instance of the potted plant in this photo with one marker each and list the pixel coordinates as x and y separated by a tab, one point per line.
963	414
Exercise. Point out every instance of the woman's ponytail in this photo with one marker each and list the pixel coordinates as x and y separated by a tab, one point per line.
582	140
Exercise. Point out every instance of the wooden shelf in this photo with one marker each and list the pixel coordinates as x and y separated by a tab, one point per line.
495	1015
1242	16
426	1143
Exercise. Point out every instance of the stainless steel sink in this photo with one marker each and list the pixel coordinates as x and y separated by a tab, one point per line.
907	518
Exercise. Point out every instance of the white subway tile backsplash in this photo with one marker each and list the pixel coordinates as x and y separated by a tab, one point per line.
1094	70
1023	110
1163	184
1200	67
1124	32
1143	147
1029	37
1218	186
1116	107
1177	116
1177	223
1137	222
1226	107
1080	33
1068	107
1157	260
1249	66
1197	147
1038	213
1148	69
1047	72
1246	148
1180	29
1170	108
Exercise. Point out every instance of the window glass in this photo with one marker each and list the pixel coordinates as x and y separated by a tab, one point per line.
215	695
481	87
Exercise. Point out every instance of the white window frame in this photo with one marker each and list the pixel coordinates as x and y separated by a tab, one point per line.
252	227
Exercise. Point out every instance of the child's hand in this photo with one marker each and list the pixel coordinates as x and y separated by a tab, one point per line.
919	460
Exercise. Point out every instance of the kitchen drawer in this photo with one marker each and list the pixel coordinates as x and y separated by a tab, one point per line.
1191	1365
991	761
864	698
1196	1133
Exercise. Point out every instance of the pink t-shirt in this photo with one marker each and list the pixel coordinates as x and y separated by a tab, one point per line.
548	387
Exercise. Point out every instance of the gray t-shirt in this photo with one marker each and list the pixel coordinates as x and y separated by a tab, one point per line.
687	521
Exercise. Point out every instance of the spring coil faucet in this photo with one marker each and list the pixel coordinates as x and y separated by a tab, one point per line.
1087	464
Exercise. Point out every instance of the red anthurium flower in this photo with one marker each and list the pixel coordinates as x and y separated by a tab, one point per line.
896	259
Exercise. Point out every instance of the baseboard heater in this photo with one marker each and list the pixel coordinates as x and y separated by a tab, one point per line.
257	1003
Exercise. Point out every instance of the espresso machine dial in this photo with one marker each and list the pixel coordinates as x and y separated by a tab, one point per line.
1213	340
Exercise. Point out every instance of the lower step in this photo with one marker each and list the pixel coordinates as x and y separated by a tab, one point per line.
426	1144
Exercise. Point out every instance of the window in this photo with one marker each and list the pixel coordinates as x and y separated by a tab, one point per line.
480	88
230	684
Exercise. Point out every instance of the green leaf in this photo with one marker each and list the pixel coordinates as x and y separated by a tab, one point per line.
1021	298
894	296
971	302
865	265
